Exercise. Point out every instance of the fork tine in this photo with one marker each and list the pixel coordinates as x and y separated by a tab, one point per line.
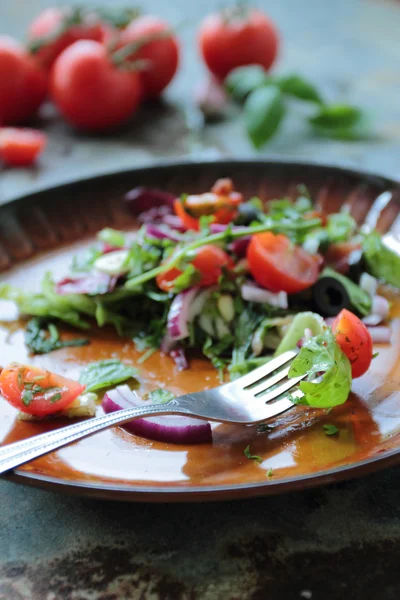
280	406
266	369
281	389
268	383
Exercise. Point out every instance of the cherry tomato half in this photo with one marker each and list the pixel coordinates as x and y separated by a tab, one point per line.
355	341
20	147
209	260
279	265
36	391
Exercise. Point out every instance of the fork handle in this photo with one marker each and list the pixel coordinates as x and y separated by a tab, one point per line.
18	453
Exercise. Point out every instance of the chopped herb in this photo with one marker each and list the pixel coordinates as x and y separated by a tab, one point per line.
251	456
55	397
330	429
42	337
270	473
27	396
264	427
161	396
375	354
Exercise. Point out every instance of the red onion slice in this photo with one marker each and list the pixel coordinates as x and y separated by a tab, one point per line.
179	357
170	428
178	316
93	283
253	293
142	199
174	222
161	232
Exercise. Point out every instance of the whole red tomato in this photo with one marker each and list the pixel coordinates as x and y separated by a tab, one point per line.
23	84
55	29
237	37
162	53
91	92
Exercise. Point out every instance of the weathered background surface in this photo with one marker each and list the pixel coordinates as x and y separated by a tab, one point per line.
329	543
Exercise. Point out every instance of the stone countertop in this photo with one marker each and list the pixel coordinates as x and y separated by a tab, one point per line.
334	542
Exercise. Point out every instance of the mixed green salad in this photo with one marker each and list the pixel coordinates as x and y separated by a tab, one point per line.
231	278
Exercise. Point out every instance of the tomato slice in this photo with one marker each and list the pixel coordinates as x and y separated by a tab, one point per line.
279	265
36	391
20	147
221	202
355	341
209	260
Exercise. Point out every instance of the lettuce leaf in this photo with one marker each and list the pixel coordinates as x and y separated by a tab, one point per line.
105	373
383	262
322	355
302	321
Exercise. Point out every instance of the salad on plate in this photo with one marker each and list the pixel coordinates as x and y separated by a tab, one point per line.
233	279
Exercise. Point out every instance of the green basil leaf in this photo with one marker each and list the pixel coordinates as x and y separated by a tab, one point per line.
336	116
243	80
105	373
382	261
264	111
298	87
359	299
322	354
359	131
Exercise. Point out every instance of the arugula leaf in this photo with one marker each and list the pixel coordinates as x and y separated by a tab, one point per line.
299	87
321	354
243	80
112	237
330	429
382	261
251	456
42	337
161	396
360	300
264	111
189	277
105	373
340	227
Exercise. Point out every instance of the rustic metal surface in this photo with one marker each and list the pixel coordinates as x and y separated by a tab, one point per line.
334	542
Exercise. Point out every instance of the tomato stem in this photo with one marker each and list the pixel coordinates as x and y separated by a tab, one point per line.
120	56
215	238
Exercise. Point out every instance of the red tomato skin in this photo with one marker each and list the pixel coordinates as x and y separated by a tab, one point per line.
355	341
39	407
47	23
226	45
20	147
90	92
23	83
163	54
277	268
209	260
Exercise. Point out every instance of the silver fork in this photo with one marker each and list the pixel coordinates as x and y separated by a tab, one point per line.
253	398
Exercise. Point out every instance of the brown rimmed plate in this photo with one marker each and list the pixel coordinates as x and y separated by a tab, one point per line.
40	232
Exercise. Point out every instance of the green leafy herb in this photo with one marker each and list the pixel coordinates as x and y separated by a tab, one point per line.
112	237
243	80
330	429
189	277
341	121
375	355
264	111
161	396
251	456
383	262
270	473
359	299
300	88
340	227
321	354
105	373
42	337
27	396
